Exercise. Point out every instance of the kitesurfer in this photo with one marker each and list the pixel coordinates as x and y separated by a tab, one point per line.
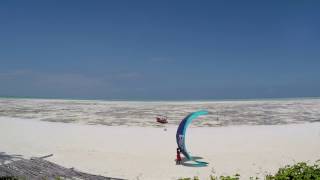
178	160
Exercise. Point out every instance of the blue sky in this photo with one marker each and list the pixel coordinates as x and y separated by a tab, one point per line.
160	49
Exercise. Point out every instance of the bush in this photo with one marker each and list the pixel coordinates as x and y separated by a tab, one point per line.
235	177
299	171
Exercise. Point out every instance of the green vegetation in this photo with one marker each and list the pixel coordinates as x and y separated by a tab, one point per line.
235	177
299	171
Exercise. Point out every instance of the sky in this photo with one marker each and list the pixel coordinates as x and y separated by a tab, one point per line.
164	50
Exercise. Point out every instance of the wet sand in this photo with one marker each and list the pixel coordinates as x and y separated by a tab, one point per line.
143	113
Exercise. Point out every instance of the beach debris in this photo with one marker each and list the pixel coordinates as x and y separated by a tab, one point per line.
43	157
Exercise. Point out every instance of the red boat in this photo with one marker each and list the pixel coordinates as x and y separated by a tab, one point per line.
162	119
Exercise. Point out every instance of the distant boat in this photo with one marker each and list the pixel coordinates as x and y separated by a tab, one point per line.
162	119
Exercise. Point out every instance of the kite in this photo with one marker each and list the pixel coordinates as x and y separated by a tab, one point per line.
181	132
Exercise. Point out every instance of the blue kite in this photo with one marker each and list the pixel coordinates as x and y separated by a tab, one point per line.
181	132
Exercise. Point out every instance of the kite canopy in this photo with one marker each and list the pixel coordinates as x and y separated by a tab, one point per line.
181	131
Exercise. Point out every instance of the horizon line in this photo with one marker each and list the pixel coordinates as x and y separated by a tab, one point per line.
162	100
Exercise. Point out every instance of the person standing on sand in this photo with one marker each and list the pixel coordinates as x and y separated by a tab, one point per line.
178	160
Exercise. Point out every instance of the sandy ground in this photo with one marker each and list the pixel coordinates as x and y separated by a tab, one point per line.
149	153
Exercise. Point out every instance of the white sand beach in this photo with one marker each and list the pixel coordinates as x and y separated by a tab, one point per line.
149	152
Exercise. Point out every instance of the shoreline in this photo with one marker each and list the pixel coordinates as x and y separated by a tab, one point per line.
149	153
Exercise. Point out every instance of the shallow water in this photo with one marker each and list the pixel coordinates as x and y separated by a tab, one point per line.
134	113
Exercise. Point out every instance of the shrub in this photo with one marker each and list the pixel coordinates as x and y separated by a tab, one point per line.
299	171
